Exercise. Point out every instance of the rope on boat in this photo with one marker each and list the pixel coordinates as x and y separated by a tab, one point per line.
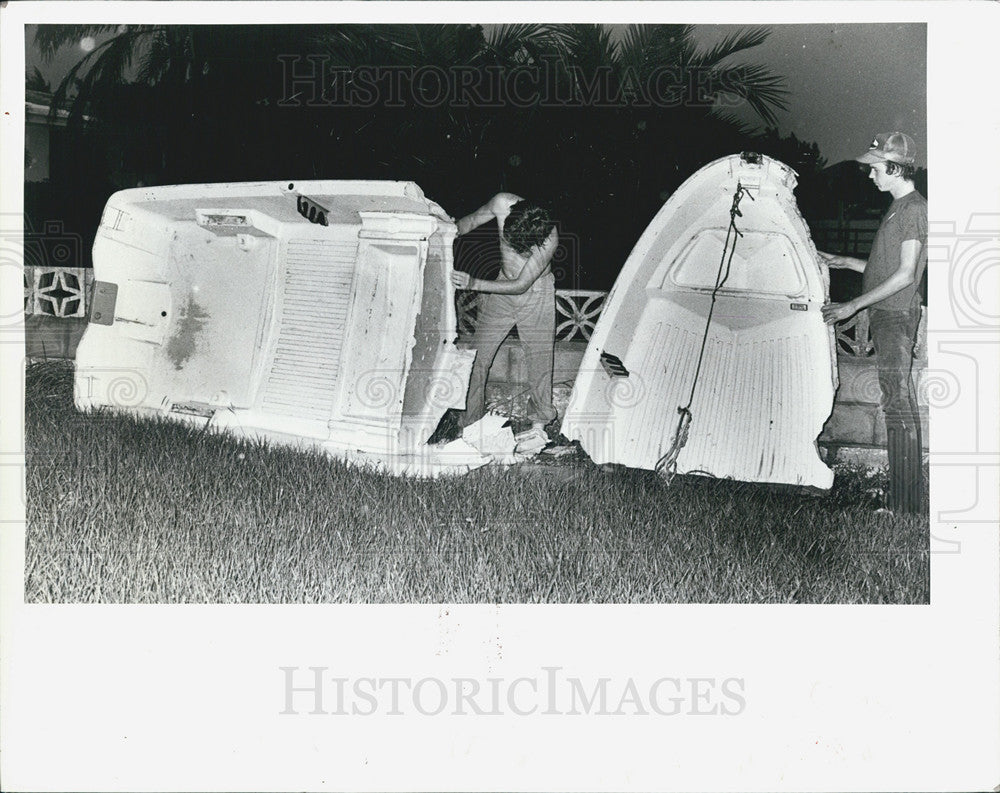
666	466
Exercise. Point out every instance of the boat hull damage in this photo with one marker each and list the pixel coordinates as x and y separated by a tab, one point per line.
317	314
767	376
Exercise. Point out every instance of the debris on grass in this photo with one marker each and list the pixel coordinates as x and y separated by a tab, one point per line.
492	436
530	442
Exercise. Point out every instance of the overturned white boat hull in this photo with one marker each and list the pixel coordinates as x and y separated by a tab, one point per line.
768	373
314	314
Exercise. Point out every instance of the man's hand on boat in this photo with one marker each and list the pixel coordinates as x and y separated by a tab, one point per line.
460	279
837	261
838	312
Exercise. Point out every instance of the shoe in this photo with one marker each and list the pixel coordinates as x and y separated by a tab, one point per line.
448	429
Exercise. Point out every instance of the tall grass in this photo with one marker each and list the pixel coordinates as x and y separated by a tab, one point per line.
123	510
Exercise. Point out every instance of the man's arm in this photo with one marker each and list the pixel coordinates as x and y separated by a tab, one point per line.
836	261
533	268
497	207
902	278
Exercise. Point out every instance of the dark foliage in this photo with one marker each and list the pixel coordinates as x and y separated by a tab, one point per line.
602	130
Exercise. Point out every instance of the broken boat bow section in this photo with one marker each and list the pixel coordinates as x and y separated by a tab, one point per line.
315	312
717	310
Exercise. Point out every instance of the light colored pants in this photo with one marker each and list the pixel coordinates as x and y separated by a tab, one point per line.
534	313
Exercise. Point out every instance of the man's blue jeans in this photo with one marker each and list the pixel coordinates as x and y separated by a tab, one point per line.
894	334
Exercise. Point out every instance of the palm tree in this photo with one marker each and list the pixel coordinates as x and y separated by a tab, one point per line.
668	56
190	92
203	69
35	81
642	109
427	126
618	120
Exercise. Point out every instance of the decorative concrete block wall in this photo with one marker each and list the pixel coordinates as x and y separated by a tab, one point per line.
55	310
857	419
49	338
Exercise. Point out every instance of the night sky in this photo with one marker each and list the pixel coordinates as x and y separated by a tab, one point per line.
846	82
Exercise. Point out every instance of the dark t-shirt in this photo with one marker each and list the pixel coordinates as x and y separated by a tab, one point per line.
905	220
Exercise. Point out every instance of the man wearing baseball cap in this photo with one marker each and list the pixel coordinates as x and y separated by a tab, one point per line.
889	290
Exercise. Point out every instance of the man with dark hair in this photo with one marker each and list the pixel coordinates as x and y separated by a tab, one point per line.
523	295
890	293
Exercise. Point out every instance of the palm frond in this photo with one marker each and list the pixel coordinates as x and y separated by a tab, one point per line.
585	45
758	86
440	45
100	71
519	43
738	125
51	38
35	81
732	44
670	45
424	42
341	46
635	45
445	45
367	45
645	47
155	60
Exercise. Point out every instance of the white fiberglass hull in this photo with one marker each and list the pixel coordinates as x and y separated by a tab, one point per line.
768	373
318	314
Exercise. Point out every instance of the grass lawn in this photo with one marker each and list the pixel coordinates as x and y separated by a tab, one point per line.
122	510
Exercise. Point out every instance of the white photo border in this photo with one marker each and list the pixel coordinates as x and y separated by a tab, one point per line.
837	697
